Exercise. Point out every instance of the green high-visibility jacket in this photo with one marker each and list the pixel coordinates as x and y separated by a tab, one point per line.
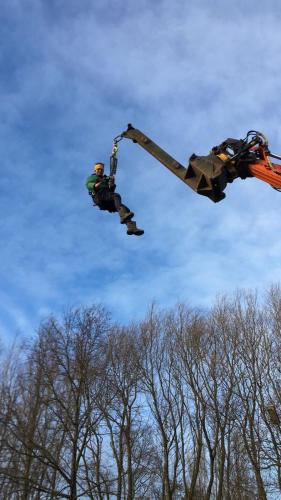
93	179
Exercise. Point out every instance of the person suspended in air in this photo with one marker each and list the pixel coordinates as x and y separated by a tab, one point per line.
102	189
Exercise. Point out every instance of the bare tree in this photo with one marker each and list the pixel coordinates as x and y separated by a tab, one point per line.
49	426
123	415
184	405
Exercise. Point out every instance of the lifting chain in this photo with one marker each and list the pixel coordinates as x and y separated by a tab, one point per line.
113	157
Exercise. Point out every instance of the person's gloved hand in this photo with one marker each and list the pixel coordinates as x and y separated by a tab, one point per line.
111	180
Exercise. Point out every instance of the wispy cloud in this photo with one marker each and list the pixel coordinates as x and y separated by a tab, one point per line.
187	75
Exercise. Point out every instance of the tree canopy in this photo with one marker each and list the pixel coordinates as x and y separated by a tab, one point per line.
184	404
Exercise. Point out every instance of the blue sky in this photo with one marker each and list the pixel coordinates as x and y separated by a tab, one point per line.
188	74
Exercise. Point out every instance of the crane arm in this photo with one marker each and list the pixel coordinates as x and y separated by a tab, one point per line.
208	178
145	142
209	175
270	173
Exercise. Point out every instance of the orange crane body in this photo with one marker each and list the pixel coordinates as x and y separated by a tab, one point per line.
264	172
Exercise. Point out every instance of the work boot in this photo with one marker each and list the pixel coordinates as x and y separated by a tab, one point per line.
125	216
133	229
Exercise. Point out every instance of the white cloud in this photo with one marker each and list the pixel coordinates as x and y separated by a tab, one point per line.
189	76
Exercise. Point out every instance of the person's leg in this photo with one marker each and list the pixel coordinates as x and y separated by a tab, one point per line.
124	212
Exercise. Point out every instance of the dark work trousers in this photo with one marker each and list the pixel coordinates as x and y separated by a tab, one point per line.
110	201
